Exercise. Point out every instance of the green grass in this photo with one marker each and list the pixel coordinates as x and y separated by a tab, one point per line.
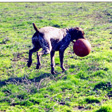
86	86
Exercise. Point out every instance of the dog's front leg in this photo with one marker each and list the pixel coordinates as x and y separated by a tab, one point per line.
52	62
30	56
61	55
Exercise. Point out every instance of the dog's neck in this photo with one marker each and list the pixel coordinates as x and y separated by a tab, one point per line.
71	32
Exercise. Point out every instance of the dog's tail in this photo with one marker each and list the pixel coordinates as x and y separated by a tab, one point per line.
36	29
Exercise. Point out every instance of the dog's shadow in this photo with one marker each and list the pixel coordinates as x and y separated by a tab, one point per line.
26	78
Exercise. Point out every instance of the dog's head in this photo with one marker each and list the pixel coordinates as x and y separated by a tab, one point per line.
76	33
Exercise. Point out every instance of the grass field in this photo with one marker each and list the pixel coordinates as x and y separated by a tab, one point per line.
86	86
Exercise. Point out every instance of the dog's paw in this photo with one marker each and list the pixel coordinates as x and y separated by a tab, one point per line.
53	72
38	67
63	70
29	63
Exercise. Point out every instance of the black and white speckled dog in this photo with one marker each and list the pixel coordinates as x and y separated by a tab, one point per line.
52	39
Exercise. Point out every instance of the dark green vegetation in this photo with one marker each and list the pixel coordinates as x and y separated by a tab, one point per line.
87	83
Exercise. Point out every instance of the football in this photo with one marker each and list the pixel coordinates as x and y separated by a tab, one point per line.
81	47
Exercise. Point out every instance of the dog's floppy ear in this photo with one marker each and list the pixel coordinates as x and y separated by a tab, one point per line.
36	29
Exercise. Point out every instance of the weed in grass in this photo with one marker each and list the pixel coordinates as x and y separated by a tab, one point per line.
105	108
109	94
92	100
103	85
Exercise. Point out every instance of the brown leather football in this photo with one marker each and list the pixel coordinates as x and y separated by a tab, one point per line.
82	47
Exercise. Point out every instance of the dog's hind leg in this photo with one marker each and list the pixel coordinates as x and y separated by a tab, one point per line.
46	47
30	56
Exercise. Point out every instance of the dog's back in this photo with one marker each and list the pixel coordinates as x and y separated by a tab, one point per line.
52	33
51	37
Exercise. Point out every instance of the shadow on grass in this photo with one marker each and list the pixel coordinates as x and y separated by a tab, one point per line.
22	79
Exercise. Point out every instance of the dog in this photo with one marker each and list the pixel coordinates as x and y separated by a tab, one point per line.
52	39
